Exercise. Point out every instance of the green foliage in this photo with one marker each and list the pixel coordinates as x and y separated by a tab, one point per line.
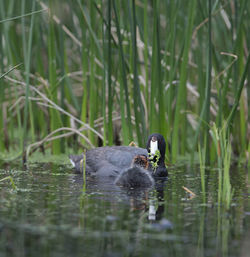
181	98
222	143
202	172
124	69
83	168
52	89
11	181
154	158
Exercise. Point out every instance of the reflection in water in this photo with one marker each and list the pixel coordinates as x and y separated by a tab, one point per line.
51	215
152	210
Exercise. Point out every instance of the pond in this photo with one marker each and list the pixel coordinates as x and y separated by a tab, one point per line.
51	214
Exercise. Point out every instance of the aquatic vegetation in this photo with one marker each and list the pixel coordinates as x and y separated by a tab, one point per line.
222	143
202	172
154	159
83	168
11	181
79	74
91	73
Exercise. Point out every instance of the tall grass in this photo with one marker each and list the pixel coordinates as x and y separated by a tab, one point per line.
27	63
181	98
224	151
125	115
52	89
126	69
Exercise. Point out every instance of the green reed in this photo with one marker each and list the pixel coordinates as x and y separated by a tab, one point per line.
52	91
126	69
125	112
83	168
202	172
181	100
223	146
138	107
11	181
27	64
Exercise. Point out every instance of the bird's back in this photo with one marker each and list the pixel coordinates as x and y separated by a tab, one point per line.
110	161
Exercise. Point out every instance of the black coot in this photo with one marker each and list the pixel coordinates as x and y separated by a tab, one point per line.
117	160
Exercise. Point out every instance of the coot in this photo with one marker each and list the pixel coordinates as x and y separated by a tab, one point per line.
138	175
110	161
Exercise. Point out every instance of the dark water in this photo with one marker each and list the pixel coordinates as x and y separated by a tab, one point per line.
50	215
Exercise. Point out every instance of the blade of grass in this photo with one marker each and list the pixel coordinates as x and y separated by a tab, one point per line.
83	162
92	69
9	55
126	121
22	16
108	73
104	81
11	181
202	172
109	68
10	70
158	122
84	63
2	98
208	84
238	94
138	107
146	54
55	121
170	60
90	21
27	64
87	20
181	94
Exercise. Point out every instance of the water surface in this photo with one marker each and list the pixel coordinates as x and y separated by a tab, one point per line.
51	215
